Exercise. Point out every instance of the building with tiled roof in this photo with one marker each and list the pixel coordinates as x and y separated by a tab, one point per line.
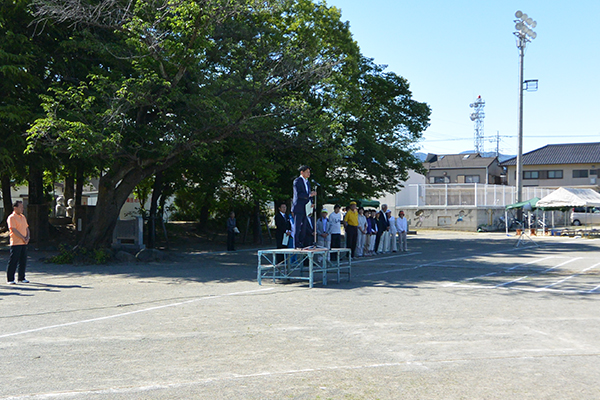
462	168
556	165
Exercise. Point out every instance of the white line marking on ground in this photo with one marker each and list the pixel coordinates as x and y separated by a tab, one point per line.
524	289
85	321
589	268
569	277
498	272
391	270
267	374
435	262
539	273
594	289
362	260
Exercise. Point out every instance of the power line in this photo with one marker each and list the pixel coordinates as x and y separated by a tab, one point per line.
509	136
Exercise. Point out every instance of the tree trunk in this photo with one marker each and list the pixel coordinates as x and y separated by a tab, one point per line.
204	214
6	199
79	186
111	197
37	209
113	190
258	239
156	193
69	187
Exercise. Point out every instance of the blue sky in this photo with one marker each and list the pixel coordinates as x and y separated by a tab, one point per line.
453	51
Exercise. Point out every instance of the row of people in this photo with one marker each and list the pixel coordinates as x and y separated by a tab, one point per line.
303	205
371	232
367	232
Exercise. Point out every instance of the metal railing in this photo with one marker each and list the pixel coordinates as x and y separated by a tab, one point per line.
467	194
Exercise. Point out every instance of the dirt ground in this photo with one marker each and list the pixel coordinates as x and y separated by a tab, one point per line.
460	316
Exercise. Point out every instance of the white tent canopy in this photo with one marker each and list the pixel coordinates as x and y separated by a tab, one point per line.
570	197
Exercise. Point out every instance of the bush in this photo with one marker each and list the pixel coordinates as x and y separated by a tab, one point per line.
80	255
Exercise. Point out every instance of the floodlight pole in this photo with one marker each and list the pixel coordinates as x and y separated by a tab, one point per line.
521	43
524	34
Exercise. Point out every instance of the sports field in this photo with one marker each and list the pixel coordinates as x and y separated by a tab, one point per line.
460	316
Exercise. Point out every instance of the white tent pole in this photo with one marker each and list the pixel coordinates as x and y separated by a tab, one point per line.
544	223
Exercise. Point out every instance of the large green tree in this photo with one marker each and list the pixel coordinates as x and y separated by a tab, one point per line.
358	133
17	104
175	75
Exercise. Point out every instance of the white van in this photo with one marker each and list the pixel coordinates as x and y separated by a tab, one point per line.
581	216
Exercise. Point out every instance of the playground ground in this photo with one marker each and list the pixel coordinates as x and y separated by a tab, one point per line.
460	316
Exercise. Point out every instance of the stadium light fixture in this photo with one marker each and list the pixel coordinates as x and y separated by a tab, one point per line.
524	26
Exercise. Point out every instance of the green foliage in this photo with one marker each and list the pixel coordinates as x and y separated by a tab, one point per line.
142	192
80	255
235	95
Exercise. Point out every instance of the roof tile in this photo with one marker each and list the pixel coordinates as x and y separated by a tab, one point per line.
570	153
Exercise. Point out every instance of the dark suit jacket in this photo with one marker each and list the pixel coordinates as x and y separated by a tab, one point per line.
283	225
308	233
382	222
301	198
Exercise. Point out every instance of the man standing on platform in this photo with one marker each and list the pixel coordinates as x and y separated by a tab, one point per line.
302	196
19	238
351	225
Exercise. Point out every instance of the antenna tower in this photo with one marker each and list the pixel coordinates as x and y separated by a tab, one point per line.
477	116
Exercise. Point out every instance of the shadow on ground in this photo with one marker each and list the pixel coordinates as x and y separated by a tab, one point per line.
432	258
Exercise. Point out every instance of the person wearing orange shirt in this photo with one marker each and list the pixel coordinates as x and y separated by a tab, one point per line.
19	238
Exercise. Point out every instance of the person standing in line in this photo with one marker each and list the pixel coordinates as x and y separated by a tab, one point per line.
335	219
351	227
372	232
368	233
283	227
402	227
19	239
362	233
384	243
231	231
302	196
283	230
393	231
383	225
324	231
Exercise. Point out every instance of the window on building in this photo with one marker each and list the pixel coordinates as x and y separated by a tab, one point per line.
437	179
471	178
593	172
580	173
531	174
557	174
